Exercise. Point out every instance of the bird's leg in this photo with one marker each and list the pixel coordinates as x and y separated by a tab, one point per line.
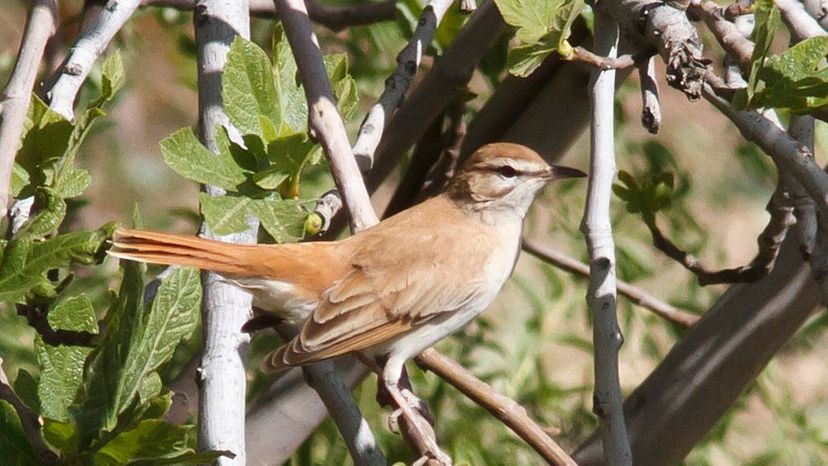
420	432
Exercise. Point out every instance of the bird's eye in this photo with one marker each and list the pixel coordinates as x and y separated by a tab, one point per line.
506	171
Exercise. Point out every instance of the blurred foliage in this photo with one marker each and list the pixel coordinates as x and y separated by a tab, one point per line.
104	402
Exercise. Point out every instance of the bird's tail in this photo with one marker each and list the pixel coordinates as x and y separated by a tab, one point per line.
190	251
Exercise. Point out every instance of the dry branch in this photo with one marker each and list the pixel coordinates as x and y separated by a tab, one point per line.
502	407
15	99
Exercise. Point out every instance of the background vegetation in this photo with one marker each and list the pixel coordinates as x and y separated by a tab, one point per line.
533	344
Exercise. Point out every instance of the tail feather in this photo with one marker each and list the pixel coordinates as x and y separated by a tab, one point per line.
190	251
314	266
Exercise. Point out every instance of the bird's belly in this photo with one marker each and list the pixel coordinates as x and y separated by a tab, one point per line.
281	299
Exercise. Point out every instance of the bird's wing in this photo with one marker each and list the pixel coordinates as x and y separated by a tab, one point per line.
383	297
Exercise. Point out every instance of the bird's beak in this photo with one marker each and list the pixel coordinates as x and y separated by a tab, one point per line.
557	172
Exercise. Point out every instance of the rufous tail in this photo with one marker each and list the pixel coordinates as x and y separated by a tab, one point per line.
190	251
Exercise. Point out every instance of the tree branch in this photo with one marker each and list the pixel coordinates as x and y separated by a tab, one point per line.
650	104
769	242
596	226
408	61
799	22
221	376
685	396
634	293
502	407
14	102
89	46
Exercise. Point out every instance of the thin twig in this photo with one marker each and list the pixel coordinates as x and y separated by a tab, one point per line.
650	104
769	242
596	226
14	102
222	375
89	46
635	294
28	420
502	407
580	54
334	17
408	61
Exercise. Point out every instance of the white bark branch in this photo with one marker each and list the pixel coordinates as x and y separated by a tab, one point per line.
799	22
596	226
222	376
18	92
90	45
408	61
324	122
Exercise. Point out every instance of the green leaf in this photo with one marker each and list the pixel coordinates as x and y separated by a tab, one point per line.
184	153
284	220
73	182
61	435
61	376
152	439
20	178
289	155
75	314
290	98
50	210
25	262
62	366
226	214
525	59
136	344
14	446
47	136
248	89
343	84
542	25
534	19
766	23
112	75
25	386
793	80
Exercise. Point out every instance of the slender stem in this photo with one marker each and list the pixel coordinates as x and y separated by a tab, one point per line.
502	407
597	229
89	46
16	96
408	61
634	293
222	374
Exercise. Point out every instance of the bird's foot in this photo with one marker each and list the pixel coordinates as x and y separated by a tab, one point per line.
418	404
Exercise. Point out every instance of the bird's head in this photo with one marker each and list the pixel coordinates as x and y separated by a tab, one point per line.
504	176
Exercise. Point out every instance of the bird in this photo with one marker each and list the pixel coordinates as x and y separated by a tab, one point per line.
392	290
